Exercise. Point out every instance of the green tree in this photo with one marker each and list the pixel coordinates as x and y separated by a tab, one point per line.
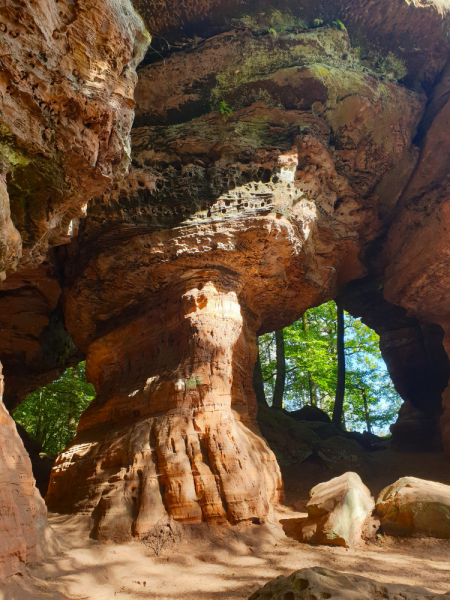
50	415
338	409
312	369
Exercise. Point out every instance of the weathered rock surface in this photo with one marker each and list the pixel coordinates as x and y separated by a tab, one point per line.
413	506
226	226
67	82
416	430
25	535
41	463
384	28
66	92
324	583
339	513
415	357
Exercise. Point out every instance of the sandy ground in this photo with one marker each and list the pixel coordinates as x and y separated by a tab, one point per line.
232	563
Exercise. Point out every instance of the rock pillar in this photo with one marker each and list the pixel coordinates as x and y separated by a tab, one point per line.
173	428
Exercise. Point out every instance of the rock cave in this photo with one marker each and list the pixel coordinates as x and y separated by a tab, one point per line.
177	179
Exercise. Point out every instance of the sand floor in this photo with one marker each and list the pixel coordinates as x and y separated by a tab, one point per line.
232	563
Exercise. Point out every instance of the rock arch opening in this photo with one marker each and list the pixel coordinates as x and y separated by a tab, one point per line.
275	163
310	364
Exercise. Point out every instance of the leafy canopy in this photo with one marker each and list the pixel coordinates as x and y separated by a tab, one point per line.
311	368
50	415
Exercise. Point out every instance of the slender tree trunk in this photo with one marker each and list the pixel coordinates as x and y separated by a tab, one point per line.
38	431
258	380
312	390
366	410
311	382
340	387
281	371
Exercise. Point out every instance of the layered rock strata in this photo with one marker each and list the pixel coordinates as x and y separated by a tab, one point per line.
67	83
67	78
228	225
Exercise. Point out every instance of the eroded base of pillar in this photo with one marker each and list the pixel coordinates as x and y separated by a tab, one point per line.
173	430
193	467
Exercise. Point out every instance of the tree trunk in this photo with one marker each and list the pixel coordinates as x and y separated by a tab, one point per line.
281	371
340	387
38	431
311	382
366	410
258	380
312	390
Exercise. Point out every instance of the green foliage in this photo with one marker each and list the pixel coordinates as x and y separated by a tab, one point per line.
272	31
317	23
311	368
339	25
50	415
225	110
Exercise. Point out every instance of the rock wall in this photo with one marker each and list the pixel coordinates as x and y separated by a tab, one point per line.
416	251
228	225
67	77
272	163
24	533
415	357
66	91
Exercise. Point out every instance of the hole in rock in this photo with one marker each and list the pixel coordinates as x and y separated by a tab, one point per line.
48	419
369	418
371	402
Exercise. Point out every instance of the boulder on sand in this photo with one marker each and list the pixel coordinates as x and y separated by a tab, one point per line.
324	583
339	512
413	506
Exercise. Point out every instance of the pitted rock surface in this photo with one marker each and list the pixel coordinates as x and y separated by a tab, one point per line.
324	583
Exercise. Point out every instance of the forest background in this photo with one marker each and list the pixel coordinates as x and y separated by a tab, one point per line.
297	366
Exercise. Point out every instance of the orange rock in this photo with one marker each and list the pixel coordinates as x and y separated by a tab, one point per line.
25	535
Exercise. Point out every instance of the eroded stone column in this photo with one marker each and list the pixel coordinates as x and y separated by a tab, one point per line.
173	428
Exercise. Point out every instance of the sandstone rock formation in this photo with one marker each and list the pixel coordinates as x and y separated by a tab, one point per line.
227	225
324	583
66	92
339	513
415	357
267	172
67	77
413	506
25	535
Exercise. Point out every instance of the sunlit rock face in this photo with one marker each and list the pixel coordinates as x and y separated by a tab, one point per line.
67	79
25	535
68	76
66	93
228	225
